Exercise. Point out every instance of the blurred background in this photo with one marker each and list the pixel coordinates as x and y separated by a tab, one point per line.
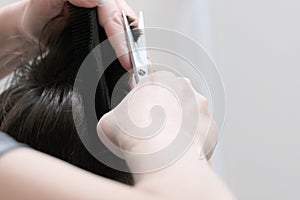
256	47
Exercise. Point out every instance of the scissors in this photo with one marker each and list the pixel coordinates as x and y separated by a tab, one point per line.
137	49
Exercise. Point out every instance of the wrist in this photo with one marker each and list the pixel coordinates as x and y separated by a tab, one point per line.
186	167
156	161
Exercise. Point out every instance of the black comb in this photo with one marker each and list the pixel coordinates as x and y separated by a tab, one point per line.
86	35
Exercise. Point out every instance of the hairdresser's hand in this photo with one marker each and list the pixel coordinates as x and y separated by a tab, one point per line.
123	128
39	12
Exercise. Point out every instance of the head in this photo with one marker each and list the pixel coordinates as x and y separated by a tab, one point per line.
36	108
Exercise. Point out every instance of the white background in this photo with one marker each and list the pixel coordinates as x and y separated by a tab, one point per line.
256	46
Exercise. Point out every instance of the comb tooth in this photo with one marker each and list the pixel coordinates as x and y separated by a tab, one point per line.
84	25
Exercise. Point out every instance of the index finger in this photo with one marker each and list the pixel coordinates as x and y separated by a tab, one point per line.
110	18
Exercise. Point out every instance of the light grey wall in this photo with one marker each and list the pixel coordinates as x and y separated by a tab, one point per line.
259	45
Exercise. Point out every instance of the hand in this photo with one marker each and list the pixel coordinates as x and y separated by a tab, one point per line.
137	125
39	12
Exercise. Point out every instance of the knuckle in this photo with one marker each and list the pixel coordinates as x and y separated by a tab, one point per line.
203	101
188	81
115	18
184	83
203	106
100	125
105	124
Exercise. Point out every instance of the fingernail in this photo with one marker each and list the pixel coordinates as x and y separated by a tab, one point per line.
101	3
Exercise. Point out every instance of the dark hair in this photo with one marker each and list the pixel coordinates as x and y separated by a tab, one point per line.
36	109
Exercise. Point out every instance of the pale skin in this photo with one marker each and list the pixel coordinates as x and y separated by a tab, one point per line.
28	17
29	174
